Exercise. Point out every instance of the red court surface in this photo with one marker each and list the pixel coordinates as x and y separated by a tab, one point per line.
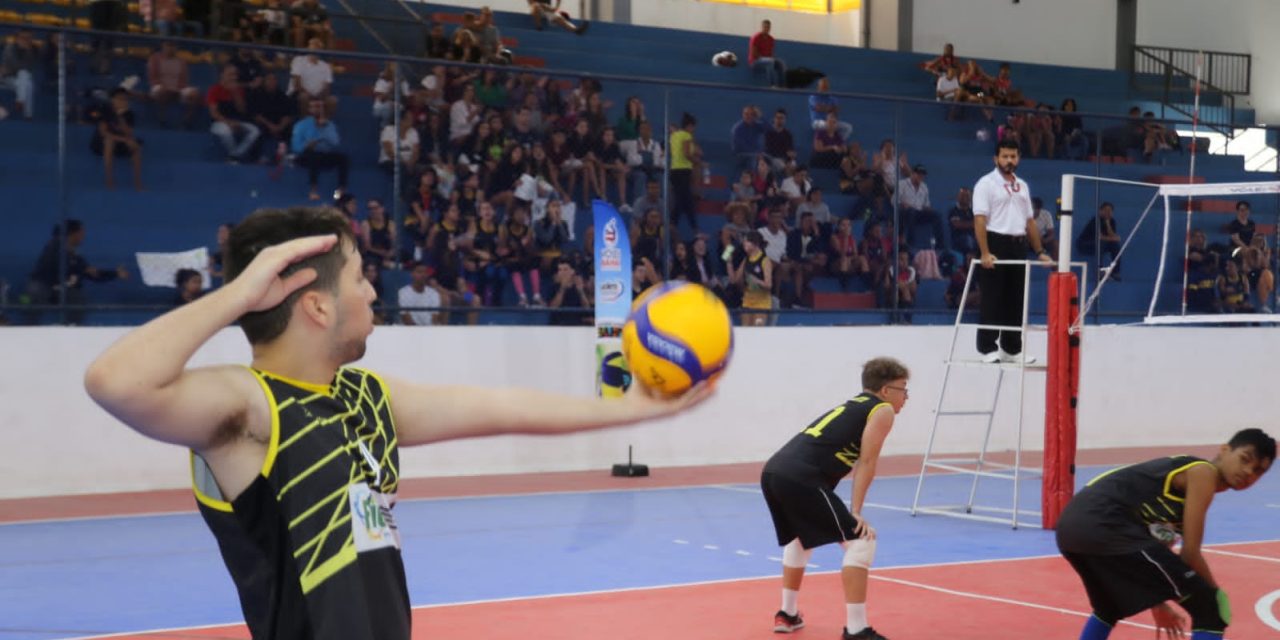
1028	599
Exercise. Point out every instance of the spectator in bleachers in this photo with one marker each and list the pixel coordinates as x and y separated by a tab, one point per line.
522	130
1070	131
169	78
805	257
948	89
419	294
544	172
1157	138
230	114
845	259
814	206
940	65
643	276
1100	236
1233	289
168	20
114	137
384	89
795	187
378	236
486	274
1038	132
311	22
628	125
317	145
779	146
269	24
702	267
916	209
517	252
311	78
829	146
685	154
217	253
45	283
747	138
646	159
978	86
544	11
273	113
955	289
877	246
466	42
581	161
853	169
1241	229
17	72
744	191
1256	265
1044	223
650	199
1002	88
646	235
464	115
907	285
571	293
609	163
1198	253
888	164
491	49
551	234
402	147
823	103
961	219
437	44
765	181
594	113
190	286
1202	288
753	277
249	66
774	233
760	54
492	90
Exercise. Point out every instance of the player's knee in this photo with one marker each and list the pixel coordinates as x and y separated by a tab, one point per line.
860	553
795	556
1209	609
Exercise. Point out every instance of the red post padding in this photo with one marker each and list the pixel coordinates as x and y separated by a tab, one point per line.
1061	388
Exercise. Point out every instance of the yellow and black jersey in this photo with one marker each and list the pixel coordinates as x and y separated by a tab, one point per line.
311	544
1114	513
753	296
825	451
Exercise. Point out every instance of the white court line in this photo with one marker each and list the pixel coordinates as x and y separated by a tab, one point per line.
1247	556
192	511
1264	609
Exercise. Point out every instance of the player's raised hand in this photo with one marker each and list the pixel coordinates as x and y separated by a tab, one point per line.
649	403
261	287
1169	623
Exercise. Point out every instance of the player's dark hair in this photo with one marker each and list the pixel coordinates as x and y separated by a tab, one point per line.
1008	143
268	227
878	372
1242	203
1264	446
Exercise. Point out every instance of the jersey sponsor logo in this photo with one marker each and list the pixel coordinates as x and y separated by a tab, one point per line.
372	525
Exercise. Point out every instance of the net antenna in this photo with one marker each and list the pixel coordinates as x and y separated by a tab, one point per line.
1163	192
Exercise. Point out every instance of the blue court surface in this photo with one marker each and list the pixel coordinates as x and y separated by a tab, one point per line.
70	578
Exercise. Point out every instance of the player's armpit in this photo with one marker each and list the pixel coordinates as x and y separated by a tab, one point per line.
197	410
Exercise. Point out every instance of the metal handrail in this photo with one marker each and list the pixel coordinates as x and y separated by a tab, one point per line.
1239	66
1168	72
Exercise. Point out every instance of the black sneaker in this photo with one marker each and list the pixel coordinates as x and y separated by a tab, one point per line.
783	623
865	634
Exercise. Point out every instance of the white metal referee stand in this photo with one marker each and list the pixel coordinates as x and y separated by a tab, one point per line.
981	467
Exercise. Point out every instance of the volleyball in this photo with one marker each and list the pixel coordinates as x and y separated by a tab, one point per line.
678	334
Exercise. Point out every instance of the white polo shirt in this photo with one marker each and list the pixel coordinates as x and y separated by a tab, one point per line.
1006	205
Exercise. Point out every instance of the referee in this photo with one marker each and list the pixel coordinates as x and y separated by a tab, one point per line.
1003	220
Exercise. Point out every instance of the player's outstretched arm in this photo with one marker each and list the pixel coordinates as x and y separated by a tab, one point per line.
873	437
142	379
1202	483
429	413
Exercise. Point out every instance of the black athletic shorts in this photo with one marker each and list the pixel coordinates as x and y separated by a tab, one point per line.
812	513
1120	586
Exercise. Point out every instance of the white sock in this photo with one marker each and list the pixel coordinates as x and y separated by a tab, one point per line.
855	617
789	601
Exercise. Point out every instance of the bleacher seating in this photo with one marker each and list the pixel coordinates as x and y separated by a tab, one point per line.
191	190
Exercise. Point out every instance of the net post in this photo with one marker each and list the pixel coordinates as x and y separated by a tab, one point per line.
1066	206
1062	381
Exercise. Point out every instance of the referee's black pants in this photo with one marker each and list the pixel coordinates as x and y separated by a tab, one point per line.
1001	289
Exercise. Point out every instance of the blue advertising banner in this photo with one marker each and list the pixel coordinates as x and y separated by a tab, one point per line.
612	297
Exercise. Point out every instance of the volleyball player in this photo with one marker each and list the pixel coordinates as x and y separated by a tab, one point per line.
295	460
1117	533
799	484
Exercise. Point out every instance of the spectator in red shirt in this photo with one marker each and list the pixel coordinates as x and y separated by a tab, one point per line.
760	53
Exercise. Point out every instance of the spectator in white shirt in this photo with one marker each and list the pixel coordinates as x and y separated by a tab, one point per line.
419	293
915	208
384	99
310	77
797	186
775	234
819	209
644	157
464	115
408	148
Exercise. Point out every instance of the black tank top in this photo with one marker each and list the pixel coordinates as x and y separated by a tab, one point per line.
380	237
311	544
825	451
1114	513
486	239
